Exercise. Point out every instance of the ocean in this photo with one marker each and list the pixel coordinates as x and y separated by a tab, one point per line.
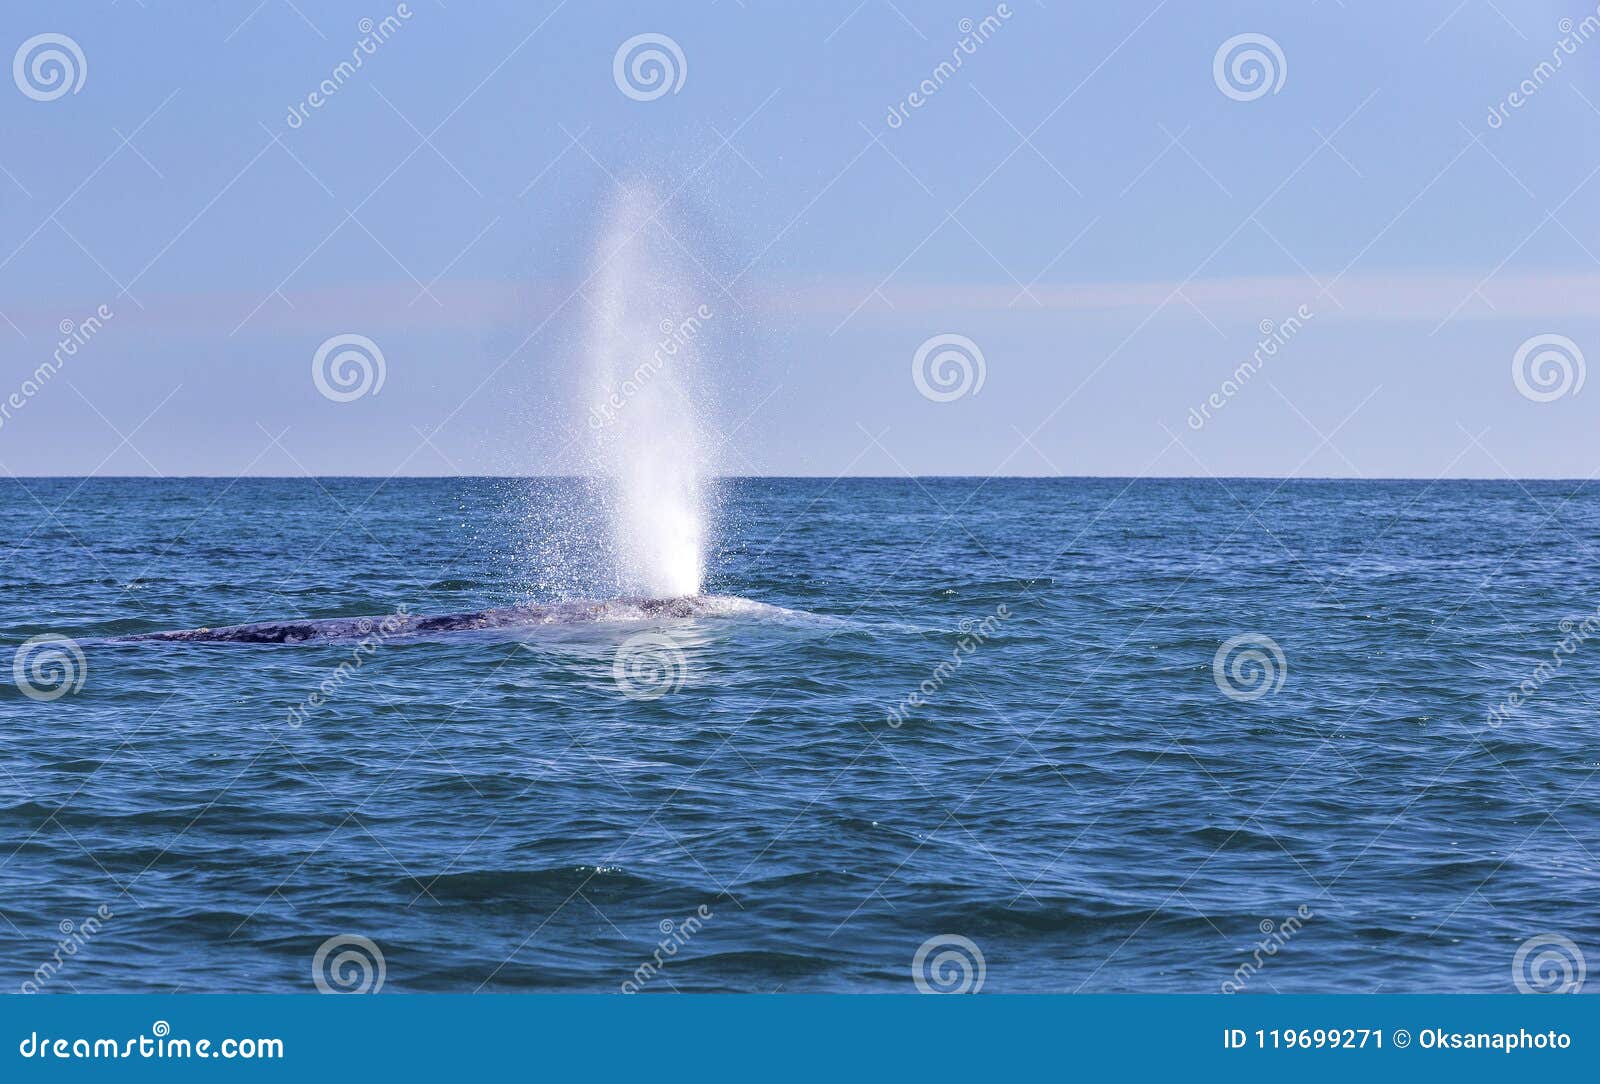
1009	735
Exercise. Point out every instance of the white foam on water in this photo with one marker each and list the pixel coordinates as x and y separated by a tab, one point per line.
646	375
629	610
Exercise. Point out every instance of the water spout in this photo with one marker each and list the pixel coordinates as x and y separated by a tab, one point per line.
647	400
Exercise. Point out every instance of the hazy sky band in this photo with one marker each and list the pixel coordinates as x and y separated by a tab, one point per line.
1115	266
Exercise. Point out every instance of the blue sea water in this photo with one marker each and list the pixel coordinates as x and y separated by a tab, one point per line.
995	713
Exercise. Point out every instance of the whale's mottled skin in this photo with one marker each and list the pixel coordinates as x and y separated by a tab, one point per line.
511	617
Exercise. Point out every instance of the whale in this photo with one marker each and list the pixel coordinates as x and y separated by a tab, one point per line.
509	618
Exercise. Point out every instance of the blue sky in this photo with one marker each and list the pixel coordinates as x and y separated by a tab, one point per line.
1081	200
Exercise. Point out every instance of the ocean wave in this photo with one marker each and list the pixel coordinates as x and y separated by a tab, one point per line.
496	885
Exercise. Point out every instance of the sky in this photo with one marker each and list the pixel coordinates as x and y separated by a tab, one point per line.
1090	213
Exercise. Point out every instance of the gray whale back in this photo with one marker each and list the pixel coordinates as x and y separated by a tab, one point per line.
399	624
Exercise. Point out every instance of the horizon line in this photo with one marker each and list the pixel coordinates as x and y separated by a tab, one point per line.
807	477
